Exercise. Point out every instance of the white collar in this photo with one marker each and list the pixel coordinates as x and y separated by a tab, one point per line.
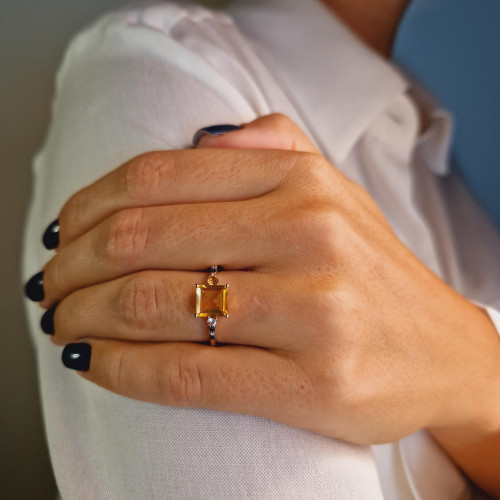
359	83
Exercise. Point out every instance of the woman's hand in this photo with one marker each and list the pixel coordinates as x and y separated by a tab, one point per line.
334	325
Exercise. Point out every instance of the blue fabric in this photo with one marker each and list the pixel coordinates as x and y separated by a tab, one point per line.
453	48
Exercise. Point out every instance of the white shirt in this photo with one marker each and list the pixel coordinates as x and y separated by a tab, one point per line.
146	79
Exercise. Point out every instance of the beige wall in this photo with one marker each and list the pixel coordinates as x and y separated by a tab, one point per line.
33	34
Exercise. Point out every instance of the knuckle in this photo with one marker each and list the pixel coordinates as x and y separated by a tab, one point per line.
128	234
346	353
347	388
145	175
317	172
335	381
117	368
299	221
313	226
185	381
281	120
141	301
325	224
73	212
329	231
311	174
322	302
53	278
291	136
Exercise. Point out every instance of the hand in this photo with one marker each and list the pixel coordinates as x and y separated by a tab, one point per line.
334	325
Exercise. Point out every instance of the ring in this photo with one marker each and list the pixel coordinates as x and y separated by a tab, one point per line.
211	302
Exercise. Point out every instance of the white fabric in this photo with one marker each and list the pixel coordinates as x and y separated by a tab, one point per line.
147	78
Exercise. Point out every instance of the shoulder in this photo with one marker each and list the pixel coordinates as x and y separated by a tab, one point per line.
143	79
183	61
159	21
202	46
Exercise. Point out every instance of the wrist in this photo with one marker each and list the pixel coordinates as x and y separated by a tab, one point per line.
474	411
471	436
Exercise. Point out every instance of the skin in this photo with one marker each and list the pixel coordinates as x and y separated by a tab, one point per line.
374	347
350	335
375	22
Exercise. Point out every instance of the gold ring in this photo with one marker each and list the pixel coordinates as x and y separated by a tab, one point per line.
211	302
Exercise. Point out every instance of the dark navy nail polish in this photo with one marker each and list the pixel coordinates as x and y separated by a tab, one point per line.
51	236
47	321
77	356
34	288
214	130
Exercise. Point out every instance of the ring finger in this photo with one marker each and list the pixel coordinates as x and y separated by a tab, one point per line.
159	306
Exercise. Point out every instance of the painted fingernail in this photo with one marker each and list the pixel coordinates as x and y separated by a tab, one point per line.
51	236
34	288
77	356
47	321
214	130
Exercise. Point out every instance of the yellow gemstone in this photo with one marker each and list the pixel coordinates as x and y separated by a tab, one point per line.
211	300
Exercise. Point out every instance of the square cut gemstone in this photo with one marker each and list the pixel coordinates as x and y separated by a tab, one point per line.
211	300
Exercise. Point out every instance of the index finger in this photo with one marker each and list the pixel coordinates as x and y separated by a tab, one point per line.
175	177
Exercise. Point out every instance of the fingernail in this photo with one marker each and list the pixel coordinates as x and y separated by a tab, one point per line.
34	288
47	321
214	130
51	236
77	356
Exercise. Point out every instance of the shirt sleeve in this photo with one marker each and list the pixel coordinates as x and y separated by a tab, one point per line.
131	83
494	315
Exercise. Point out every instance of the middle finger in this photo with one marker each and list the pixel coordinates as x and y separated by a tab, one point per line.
188	237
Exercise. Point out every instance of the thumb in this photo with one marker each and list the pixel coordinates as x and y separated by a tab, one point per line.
275	131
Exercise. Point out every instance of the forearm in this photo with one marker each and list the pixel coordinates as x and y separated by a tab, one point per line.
476	447
477	455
